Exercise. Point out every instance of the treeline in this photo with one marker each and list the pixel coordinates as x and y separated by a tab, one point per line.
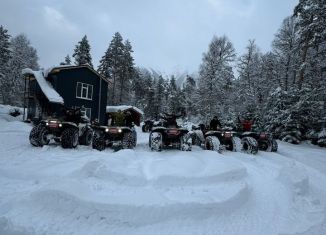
283	90
15	54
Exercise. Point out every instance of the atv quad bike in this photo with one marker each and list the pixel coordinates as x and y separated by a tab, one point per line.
163	137
219	140
222	139
71	130
167	133
265	141
114	136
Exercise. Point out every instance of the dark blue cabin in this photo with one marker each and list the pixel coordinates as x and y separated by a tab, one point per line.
46	93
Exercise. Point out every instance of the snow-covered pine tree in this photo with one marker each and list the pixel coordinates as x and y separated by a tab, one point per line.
112	66
129	74
159	96
285	47
311	20
189	90
269	75
149	108
214	76
249	69
82	52
67	61
4	59
23	55
276	111
140	86
176	99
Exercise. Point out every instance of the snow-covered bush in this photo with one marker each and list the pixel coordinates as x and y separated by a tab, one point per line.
322	138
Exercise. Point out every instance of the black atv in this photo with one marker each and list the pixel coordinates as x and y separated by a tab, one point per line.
167	133
216	140
161	137
114	136
219	140
71	130
223	139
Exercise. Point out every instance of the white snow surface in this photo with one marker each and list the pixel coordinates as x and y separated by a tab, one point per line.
116	108
51	94
51	190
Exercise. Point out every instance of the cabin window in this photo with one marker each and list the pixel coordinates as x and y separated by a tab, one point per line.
84	91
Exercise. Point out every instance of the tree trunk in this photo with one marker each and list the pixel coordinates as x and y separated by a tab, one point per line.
121	89
304	57
113	90
287	72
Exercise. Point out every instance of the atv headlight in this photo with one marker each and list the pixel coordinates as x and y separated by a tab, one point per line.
106	129
119	130
46	123
60	125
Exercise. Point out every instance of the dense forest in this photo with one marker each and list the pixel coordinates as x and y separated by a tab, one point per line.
284	90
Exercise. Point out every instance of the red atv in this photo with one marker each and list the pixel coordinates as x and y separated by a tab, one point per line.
265	141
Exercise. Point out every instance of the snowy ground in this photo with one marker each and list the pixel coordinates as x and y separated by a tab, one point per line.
50	190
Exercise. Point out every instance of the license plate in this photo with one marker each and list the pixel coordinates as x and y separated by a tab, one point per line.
227	135
114	130
263	136
173	132
53	125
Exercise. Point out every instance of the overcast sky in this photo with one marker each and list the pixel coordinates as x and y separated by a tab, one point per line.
166	35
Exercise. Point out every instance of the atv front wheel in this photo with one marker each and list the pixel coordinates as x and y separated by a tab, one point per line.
249	145
155	140
69	138
236	144
86	138
186	142
212	143
98	143
34	135
43	136
128	140
265	145
274	146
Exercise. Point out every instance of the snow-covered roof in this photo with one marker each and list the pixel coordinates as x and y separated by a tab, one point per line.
112	109
61	67
46	87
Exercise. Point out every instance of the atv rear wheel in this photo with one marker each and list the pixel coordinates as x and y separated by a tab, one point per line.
249	145
212	143
86	138
236	144
155	141
98	142
274	146
69	138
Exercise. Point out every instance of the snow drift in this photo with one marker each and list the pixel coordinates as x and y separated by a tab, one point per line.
51	190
